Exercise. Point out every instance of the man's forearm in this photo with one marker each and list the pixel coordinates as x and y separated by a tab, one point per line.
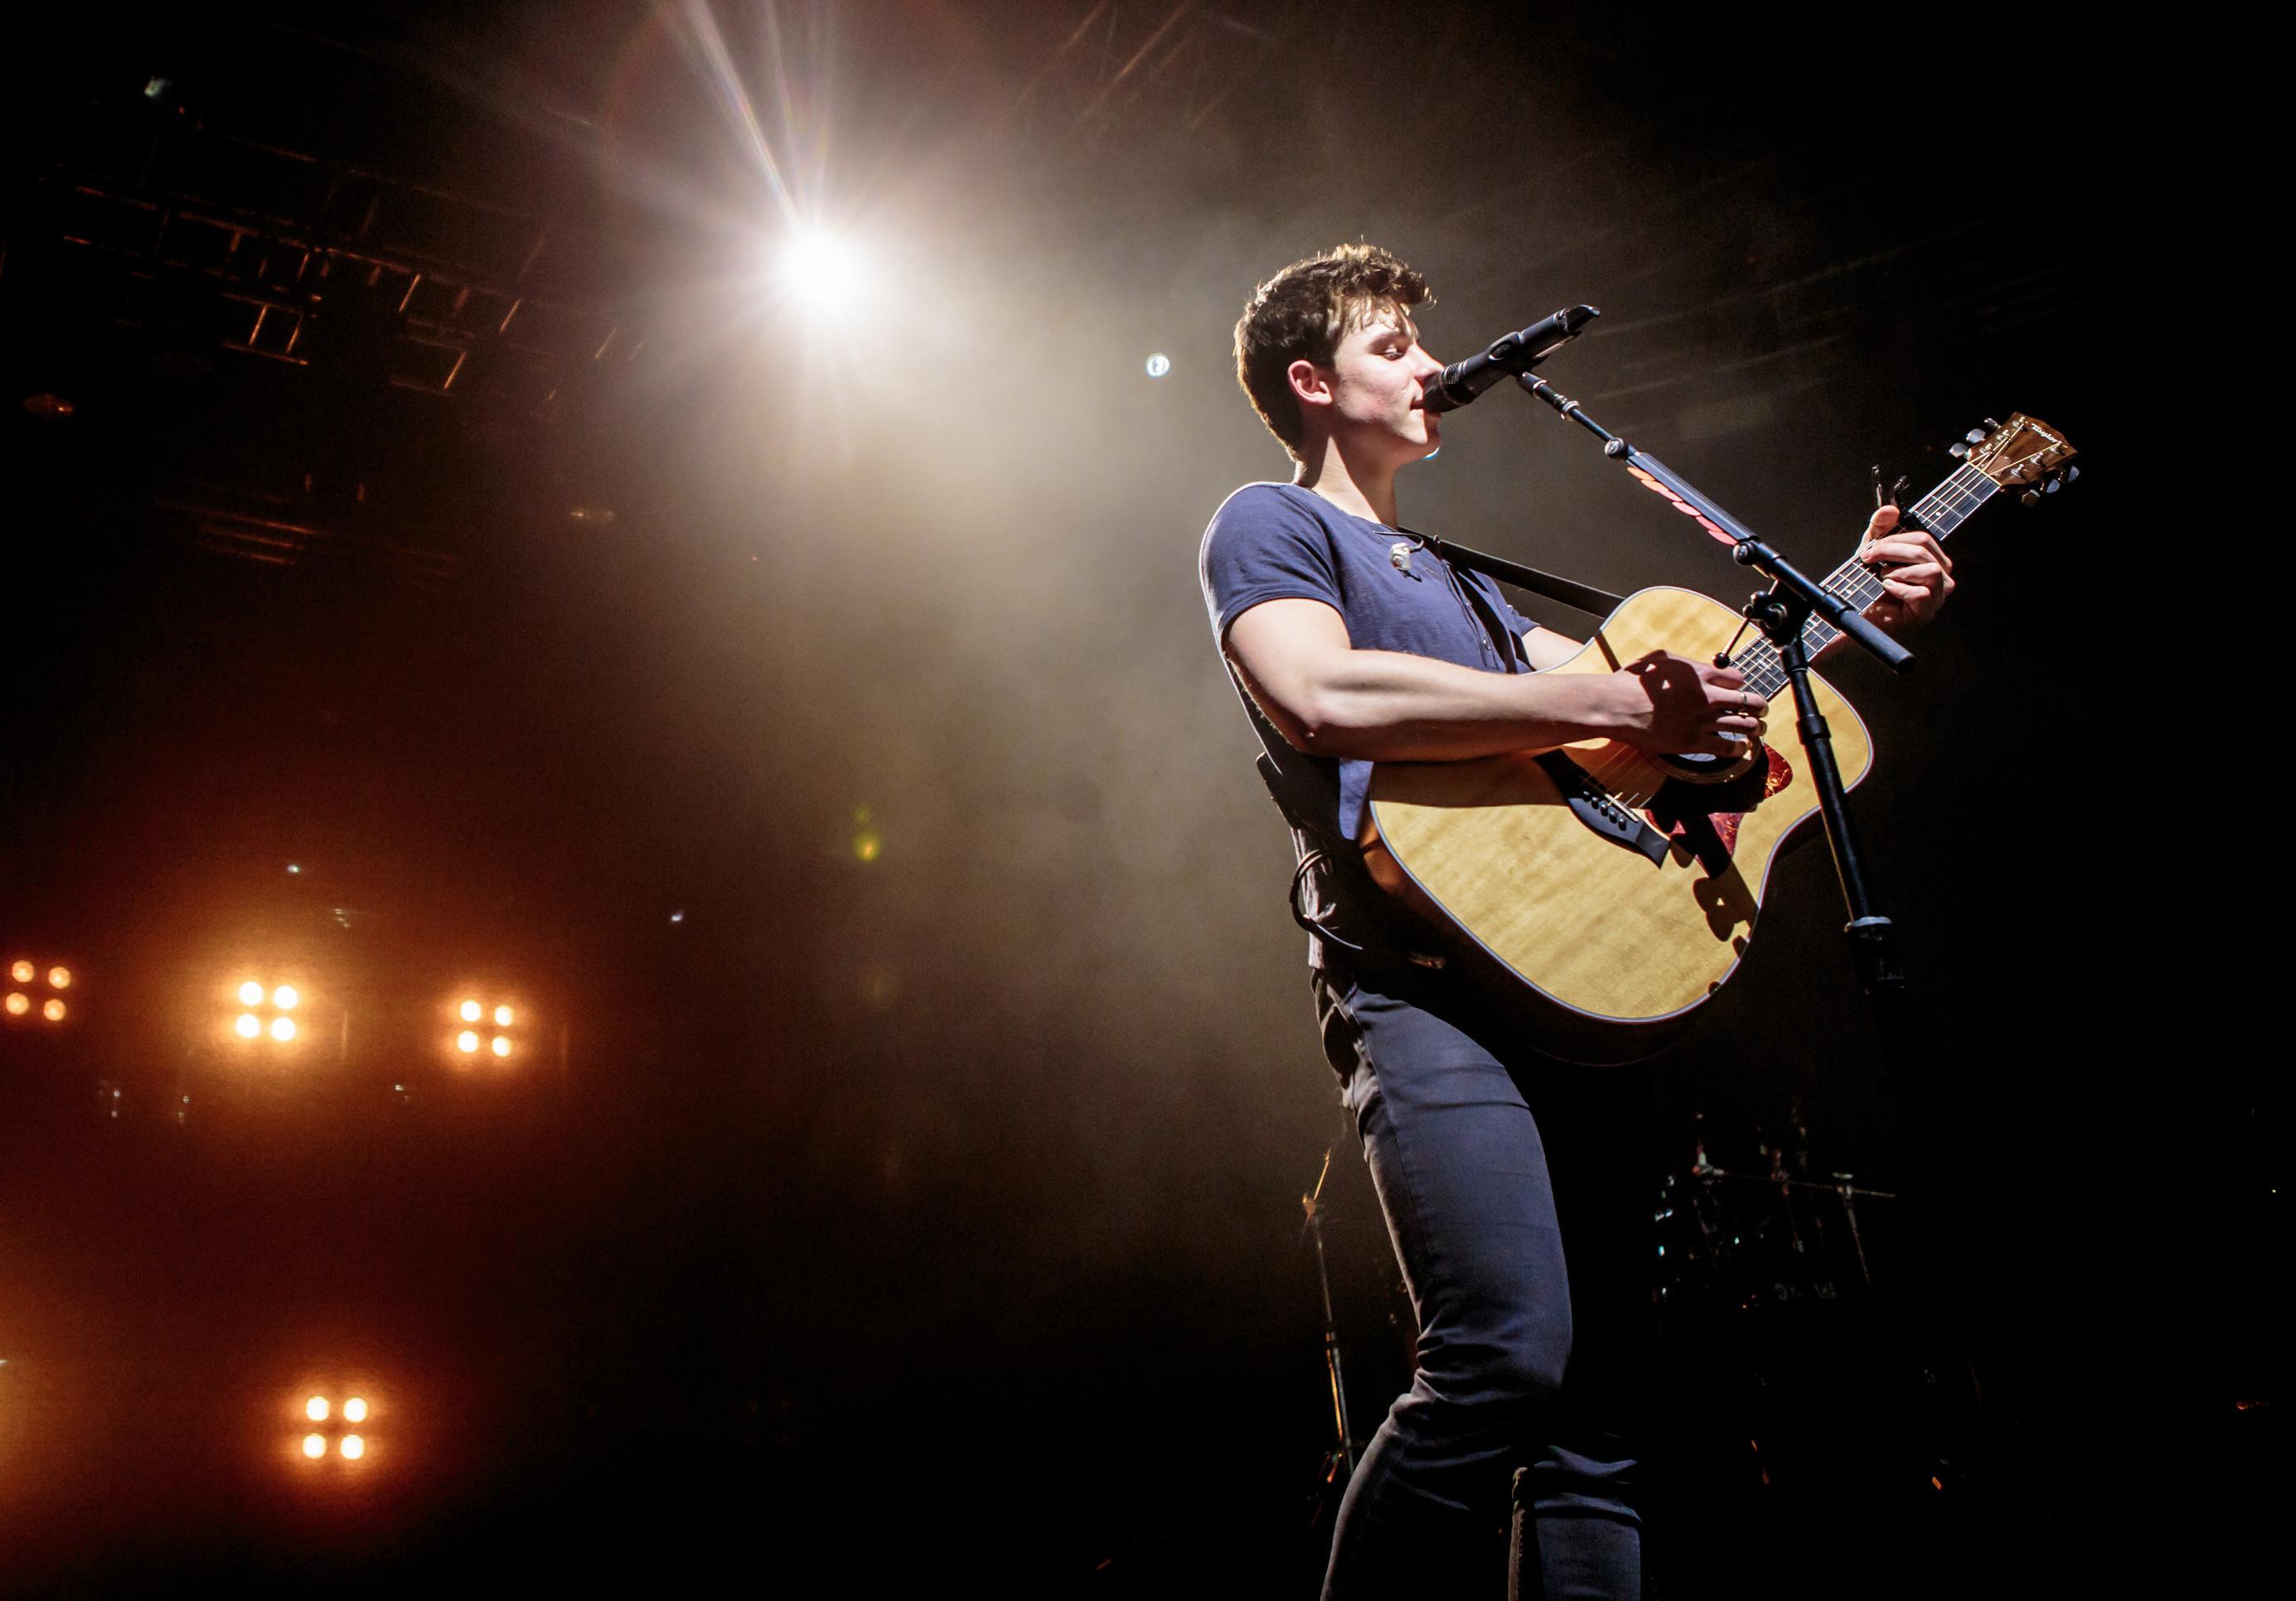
1384	706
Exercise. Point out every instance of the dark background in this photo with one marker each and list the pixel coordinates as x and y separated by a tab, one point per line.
816	727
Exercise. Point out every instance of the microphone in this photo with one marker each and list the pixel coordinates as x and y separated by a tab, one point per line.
1462	381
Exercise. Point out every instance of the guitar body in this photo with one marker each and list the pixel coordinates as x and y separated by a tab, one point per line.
1615	948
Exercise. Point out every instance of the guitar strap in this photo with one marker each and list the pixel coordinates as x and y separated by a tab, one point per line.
1579	597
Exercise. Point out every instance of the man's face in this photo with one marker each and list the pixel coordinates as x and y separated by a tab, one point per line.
1378	372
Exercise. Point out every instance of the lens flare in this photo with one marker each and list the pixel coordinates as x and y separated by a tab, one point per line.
314	1446
283	1029
285	998
467	1041
354	1409
53	1011
823	271
248	1026
315	1409
501	1045
22	972
353	1447
250	994
502	1017
18	1005
471	1011
59	979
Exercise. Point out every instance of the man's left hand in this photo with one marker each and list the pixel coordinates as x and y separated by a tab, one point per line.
1914	571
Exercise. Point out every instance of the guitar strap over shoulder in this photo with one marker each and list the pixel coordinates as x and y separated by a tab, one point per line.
1579	597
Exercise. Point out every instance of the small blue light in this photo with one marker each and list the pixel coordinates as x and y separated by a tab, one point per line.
1159	364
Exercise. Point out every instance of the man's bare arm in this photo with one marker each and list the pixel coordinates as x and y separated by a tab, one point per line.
1331	699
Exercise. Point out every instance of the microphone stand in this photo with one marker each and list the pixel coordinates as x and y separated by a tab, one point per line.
1782	613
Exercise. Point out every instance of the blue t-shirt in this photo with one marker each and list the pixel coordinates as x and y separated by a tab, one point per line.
1278	542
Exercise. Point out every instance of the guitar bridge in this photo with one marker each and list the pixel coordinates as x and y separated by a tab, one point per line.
1599	810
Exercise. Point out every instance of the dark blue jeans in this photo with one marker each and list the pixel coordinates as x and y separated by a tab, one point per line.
1529	1352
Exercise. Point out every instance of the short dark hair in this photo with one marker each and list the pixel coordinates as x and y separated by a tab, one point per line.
1305	311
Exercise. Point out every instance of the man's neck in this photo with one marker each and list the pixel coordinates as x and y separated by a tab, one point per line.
1362	490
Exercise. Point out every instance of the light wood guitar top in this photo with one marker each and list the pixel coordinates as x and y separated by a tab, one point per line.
1587	922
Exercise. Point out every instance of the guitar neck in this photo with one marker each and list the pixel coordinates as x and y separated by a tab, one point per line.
1941	510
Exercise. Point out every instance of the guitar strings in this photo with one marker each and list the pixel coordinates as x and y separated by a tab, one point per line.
1941	510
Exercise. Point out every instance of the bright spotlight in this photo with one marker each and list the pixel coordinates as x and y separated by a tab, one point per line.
820	270
1159	364
315	1409
248	1026
354	1409
353	1447
502	1017
250	994
314	1446
472	1010
53	1011
467	1041
59	979
22	972
18	1005
284	997
283	1029
501	1045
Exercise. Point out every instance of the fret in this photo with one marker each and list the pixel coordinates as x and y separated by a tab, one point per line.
1941	510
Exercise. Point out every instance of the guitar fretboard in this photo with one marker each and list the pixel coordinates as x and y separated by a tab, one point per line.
1941	510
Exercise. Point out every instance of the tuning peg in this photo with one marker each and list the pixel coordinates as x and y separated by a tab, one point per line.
2071	474
1975	436
2031	497
1957	451
2052	484
1993	425
1898	490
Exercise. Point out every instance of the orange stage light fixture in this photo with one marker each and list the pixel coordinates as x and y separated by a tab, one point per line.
502	1040
27	1001
261	1008
332	1429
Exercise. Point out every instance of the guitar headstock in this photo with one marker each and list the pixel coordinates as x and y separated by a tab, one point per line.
2021	451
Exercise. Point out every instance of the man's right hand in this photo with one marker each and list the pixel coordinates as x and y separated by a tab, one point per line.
1673	705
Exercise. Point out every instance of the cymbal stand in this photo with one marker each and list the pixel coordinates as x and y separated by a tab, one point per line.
1340	1461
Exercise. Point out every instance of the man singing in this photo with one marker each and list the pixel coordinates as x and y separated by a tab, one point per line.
1353	644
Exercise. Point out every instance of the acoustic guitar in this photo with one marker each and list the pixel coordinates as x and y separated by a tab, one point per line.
1618	890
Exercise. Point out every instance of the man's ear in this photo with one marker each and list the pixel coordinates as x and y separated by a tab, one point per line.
1311	384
